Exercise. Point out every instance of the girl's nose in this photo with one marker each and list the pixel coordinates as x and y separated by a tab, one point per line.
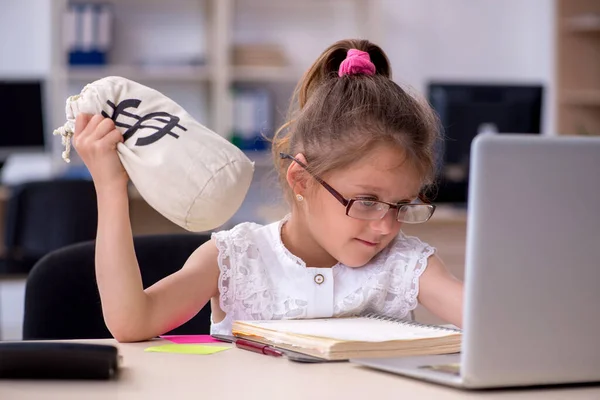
387	224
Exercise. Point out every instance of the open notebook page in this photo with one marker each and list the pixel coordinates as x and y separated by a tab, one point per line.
355	329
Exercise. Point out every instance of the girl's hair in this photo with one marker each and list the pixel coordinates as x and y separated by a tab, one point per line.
338	116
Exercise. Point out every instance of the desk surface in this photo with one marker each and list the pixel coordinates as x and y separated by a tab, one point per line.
240	374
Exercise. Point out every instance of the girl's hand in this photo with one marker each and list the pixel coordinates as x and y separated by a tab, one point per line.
95	140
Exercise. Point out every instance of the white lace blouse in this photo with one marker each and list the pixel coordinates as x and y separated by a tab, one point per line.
261	280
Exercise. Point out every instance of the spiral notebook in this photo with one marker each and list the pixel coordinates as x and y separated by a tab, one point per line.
344	338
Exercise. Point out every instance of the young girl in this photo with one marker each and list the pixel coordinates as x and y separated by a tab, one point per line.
354	160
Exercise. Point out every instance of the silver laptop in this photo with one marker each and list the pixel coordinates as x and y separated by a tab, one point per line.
532	278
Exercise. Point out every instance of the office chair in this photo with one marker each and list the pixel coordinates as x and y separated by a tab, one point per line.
62	299
44	216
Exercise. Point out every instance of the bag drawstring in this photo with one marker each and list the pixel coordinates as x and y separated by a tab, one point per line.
66	131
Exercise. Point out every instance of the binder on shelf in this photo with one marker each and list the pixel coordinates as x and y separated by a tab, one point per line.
252	118
87	33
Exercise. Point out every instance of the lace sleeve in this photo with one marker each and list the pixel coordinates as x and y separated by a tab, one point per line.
415	268
226	283
234	246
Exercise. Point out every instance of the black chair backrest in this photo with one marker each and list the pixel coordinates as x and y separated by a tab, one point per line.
62	299
47	215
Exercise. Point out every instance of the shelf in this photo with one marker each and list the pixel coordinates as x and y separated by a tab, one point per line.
265	74
207	32
183	74
165	74
581	98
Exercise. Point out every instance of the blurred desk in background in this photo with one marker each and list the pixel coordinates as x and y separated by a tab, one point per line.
144	219
446	230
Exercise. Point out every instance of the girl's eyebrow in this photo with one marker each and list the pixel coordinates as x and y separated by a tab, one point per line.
369	188
378	190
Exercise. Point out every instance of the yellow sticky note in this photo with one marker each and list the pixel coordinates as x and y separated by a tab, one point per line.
186	349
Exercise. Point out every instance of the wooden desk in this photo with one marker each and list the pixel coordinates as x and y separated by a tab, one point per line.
239	374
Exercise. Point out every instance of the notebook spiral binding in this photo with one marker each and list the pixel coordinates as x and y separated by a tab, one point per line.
410	323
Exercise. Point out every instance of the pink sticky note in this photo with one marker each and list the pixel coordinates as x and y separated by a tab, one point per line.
182	339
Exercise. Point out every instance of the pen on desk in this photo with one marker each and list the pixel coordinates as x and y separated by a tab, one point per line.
257	348
291	355
249	345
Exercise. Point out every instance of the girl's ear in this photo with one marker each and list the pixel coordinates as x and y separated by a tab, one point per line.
297	176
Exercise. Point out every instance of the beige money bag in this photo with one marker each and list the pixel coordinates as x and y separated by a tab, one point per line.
186	172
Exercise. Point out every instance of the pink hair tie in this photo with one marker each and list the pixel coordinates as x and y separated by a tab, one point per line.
357	62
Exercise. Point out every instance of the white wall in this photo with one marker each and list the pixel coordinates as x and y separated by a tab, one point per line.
485	40
12	304
25	38
471	40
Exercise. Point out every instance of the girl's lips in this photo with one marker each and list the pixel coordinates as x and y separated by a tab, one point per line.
367	243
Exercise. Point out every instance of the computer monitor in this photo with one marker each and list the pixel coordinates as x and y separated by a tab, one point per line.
21	117
466	109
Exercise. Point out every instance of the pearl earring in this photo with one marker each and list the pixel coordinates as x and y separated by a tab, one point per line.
299	197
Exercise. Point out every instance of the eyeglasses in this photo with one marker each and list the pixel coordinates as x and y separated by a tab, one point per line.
370	209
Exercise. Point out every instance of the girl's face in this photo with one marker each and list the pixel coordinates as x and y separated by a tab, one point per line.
379	175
